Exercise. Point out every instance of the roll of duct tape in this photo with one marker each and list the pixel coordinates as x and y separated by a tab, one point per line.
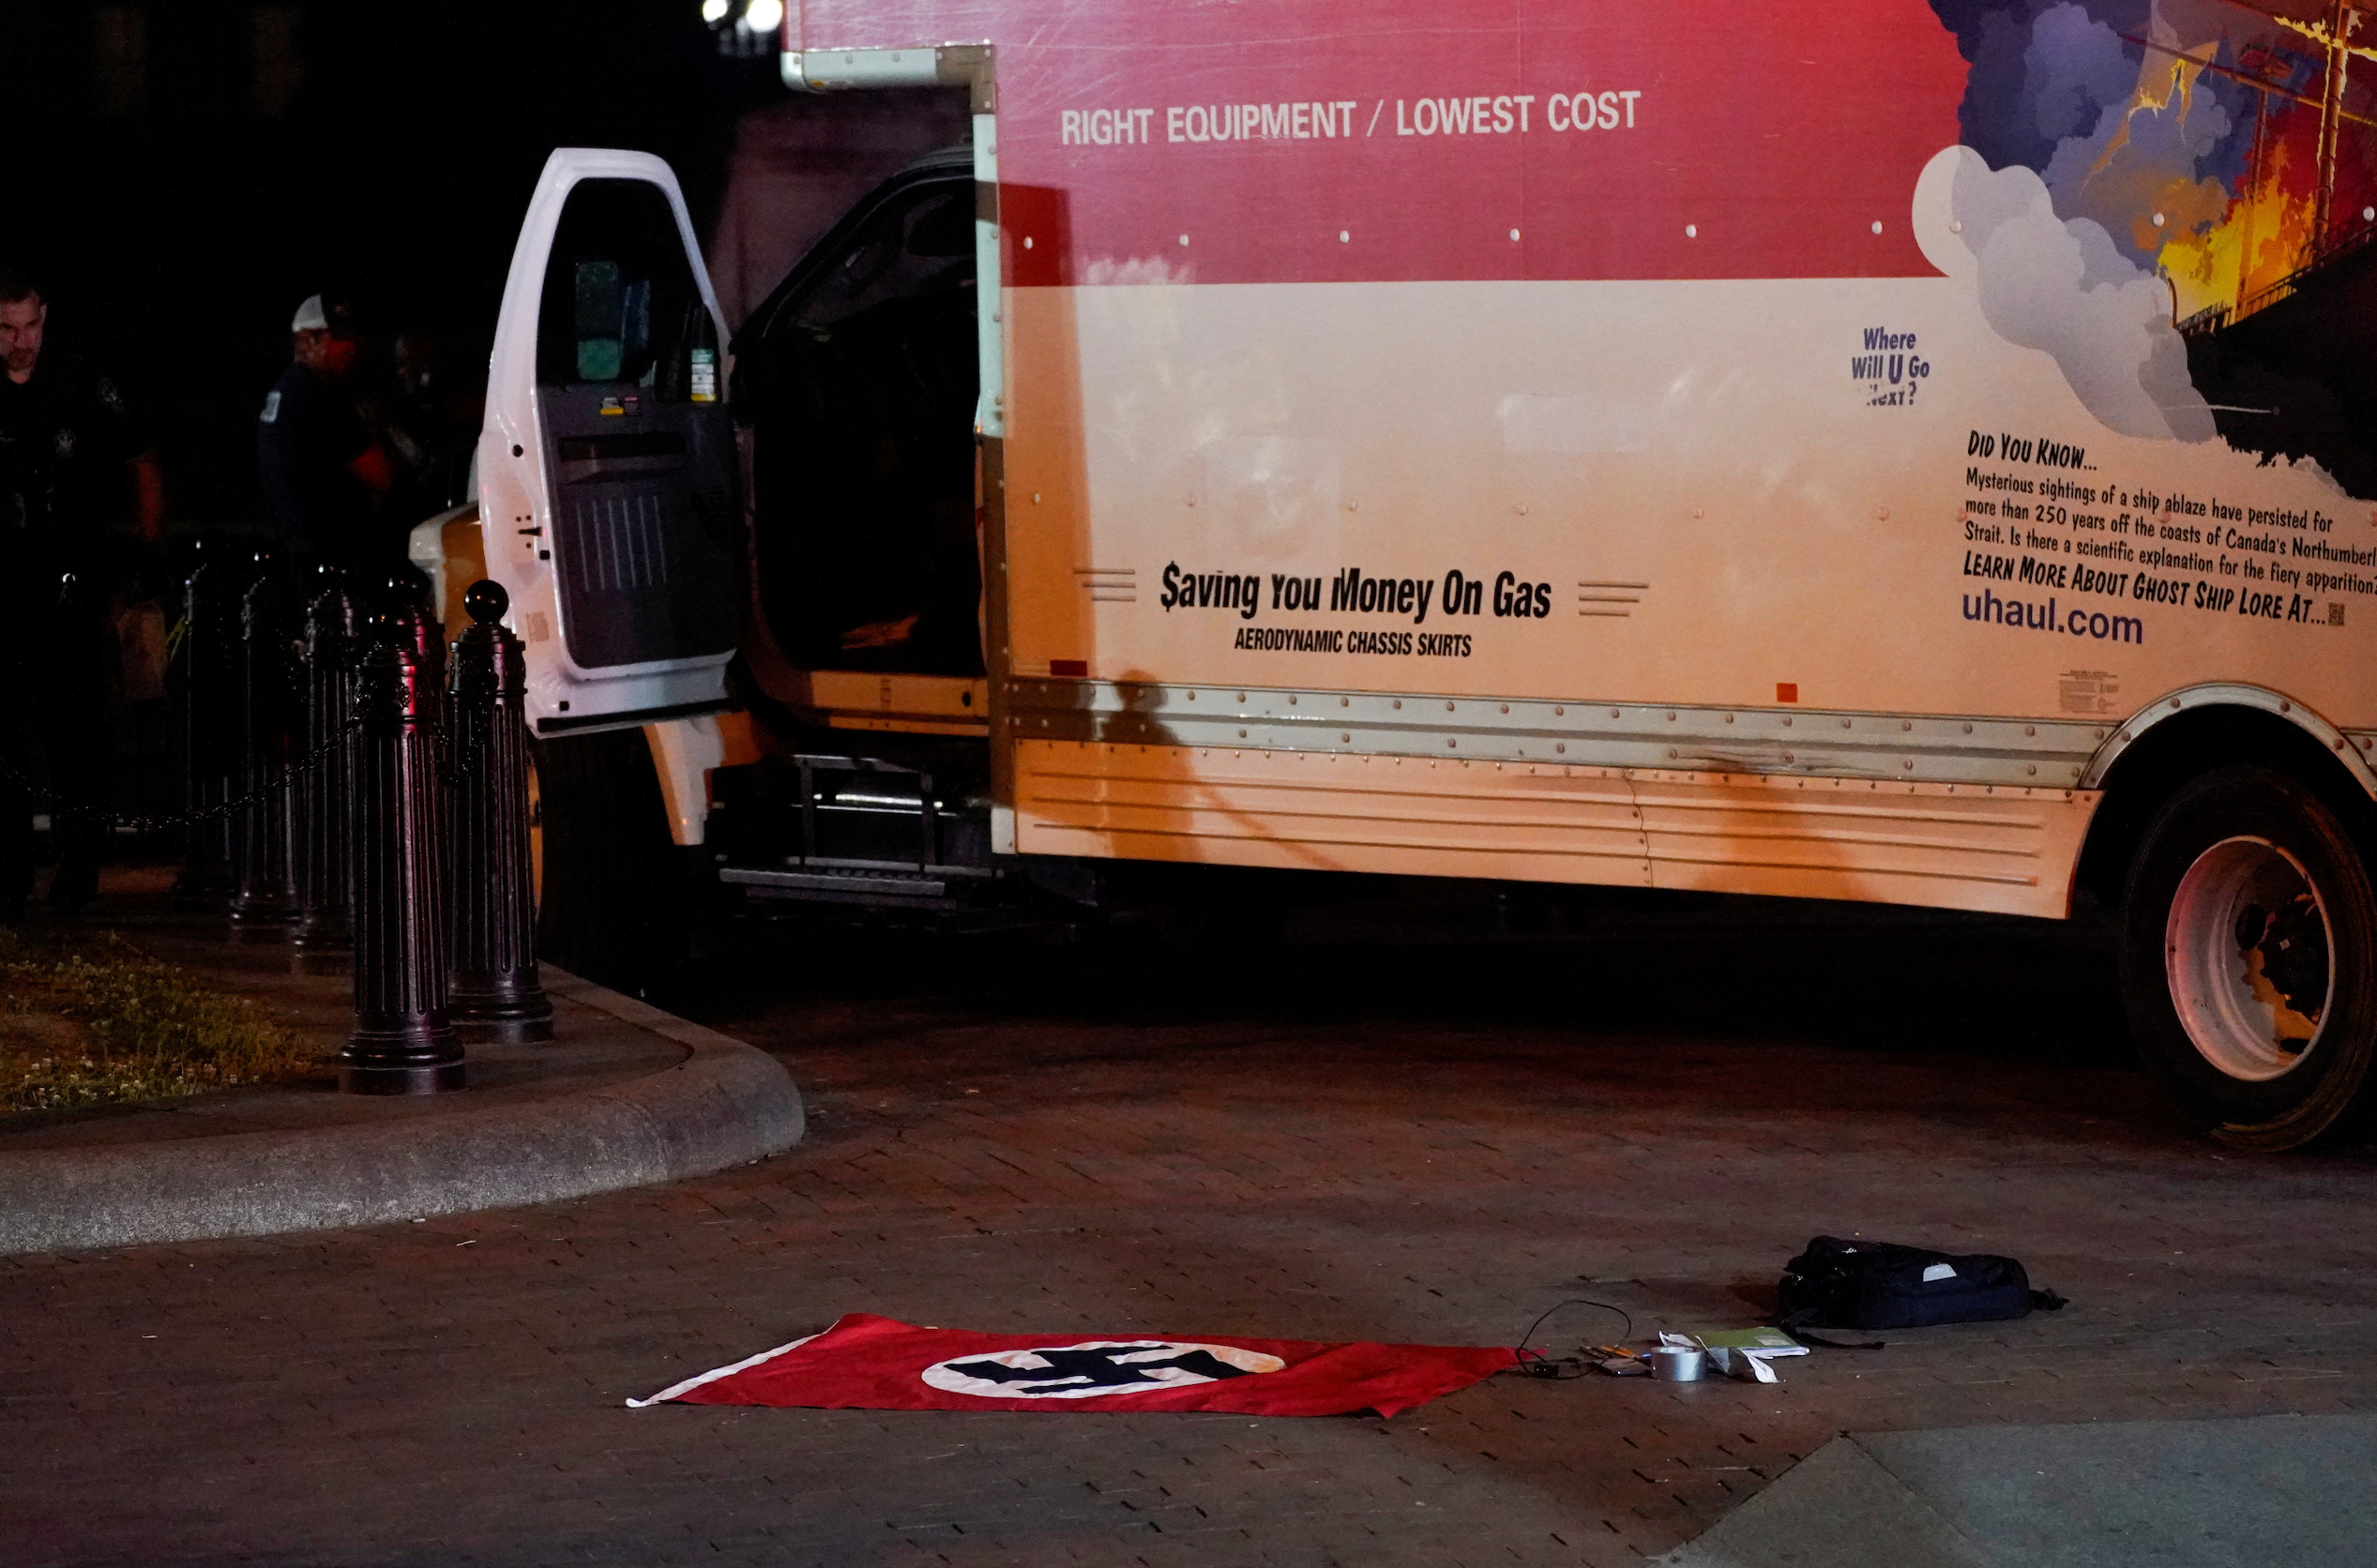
1672	1365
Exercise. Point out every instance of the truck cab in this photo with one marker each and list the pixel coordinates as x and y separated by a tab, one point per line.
747	565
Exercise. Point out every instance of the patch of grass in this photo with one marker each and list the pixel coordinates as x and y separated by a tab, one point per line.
93	1020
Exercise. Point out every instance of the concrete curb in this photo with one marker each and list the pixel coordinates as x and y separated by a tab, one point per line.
725	1105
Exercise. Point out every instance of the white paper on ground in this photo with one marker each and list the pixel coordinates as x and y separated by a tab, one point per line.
1748	1366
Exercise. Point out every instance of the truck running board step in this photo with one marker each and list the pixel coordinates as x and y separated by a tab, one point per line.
911	888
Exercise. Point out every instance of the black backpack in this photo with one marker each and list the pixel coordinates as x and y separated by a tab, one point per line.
1879	1285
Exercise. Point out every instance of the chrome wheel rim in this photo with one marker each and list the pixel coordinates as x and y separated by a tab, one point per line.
2248	951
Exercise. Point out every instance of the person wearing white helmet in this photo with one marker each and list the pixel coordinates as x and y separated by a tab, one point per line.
324	471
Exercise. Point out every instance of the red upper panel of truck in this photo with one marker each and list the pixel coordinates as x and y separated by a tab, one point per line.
1271	141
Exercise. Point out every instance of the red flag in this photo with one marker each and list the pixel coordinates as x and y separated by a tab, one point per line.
877	1364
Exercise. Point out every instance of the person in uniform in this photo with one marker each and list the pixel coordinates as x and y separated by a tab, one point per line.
74	465
433	423
323	472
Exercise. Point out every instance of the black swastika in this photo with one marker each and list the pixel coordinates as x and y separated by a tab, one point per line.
1097	1368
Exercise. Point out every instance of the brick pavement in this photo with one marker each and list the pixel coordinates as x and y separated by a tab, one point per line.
1391	1127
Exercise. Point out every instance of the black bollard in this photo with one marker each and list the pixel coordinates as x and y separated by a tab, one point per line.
403	1043
214	699
267	907
496	995
407	620
326	933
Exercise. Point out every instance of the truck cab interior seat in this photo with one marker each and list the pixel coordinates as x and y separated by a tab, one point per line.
859	381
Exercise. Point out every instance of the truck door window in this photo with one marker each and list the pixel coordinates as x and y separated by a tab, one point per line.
619	303
862	399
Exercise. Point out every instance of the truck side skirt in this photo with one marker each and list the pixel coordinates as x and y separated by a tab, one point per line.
2006	849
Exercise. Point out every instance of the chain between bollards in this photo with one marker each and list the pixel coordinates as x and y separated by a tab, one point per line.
60	807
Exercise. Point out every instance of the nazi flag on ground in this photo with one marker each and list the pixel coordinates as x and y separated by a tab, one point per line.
878	1363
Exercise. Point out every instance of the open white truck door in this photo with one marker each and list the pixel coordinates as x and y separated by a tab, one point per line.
607	466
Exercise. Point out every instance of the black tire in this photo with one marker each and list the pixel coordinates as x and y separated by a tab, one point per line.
2249	959
611	902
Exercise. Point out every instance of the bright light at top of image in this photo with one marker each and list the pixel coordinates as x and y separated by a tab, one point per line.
764	16
714	11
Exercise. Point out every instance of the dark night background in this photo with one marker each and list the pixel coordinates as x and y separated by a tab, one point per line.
181	173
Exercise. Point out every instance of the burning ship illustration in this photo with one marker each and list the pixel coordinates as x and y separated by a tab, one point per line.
2285	356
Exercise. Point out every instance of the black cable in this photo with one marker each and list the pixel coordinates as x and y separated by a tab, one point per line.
1535	1363
1580	1301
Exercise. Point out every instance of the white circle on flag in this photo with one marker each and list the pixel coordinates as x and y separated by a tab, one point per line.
1094	1367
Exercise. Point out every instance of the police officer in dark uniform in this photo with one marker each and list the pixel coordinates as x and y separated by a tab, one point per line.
74	464
323	472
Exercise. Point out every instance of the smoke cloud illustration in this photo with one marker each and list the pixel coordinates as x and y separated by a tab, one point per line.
2125	167
2096	171
2064	287
2117	135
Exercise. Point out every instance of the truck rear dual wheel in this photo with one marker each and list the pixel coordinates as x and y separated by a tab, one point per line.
2249	962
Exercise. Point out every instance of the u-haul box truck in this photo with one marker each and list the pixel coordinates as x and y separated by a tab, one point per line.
1863	449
